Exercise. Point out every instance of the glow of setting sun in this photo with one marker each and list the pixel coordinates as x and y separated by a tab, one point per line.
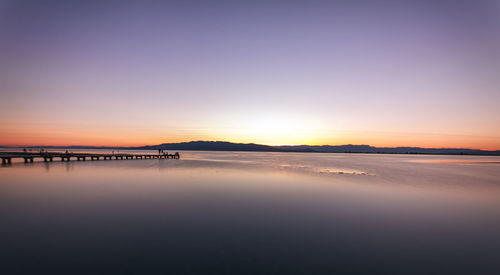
271	128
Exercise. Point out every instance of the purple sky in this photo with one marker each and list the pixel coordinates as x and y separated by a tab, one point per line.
416	73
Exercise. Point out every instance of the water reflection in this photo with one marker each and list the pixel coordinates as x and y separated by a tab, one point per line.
252	213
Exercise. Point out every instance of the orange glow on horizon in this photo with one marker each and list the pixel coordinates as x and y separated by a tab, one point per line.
129	140
266	129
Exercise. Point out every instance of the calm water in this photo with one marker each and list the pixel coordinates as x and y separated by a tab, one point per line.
253	213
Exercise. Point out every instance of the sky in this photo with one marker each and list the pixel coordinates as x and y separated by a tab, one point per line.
127	73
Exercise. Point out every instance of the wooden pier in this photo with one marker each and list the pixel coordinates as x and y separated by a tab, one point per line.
30	157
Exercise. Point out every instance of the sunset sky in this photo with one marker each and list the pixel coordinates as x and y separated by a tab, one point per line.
124	73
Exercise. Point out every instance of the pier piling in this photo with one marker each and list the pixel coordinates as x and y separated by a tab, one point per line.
29	157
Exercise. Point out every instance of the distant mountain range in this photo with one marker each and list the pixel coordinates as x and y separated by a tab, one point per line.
229	146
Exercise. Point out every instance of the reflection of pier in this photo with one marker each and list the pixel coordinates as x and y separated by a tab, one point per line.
49	157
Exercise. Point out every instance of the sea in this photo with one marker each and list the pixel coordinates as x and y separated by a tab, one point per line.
252	213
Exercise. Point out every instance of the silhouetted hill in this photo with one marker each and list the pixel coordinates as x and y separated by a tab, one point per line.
229	146
212	146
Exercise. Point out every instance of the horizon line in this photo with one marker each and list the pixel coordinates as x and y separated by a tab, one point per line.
264	144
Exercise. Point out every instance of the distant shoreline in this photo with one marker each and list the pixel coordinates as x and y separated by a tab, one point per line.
251	147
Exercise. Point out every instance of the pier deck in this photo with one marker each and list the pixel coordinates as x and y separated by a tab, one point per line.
30	157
